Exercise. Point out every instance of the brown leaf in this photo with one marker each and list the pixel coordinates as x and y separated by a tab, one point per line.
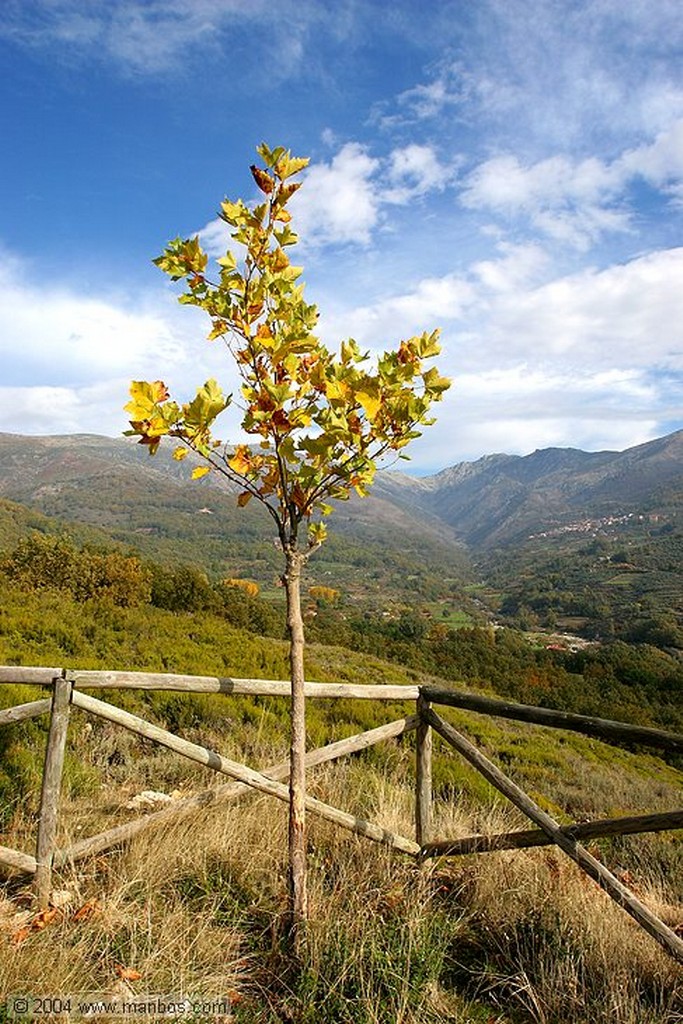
44	918
86	911
127	973
262	179
36	924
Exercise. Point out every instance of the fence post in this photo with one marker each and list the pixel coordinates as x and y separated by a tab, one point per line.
52	784
423	774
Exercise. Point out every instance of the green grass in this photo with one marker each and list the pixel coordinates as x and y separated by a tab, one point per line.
449	615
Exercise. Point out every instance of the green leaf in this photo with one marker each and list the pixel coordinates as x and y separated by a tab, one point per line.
207	404
434	383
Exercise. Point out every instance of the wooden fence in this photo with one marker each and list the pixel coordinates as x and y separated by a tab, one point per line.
68	691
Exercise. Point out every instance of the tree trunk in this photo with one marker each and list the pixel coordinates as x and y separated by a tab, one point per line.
298	903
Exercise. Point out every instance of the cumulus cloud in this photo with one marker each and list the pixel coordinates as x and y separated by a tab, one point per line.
79	353
631	313
344	199
660	163
592	359
575	201
340	202
381	324
92	409
413	171
59	336
570	201
512	267
518	410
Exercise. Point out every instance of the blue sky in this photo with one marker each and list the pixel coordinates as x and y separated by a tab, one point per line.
508	170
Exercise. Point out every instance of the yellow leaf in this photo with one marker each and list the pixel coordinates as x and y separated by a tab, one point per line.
179	454
371	404
335	390
145	396
241	462
199	471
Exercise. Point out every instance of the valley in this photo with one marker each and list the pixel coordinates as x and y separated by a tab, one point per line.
111	560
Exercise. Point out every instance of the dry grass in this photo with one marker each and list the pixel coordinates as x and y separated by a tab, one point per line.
198	908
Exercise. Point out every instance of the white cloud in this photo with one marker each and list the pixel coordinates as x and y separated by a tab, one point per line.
570	201
592	359
547	76
66	360
575	201
58	336
150	37
340	203
143	37
431	99
518	410
383	323
514	268
413	171
630	314
215	237
92	409
661	162
343	200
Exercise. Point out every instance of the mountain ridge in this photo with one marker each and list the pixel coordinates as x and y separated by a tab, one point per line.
496	500
501	499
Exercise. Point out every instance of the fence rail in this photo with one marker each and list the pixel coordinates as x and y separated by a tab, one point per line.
67	692
599	728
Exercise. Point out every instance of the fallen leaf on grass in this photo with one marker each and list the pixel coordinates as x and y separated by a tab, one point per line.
45	917
86	911
40	921
127	973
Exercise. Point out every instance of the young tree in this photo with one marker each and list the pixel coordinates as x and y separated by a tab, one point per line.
320	422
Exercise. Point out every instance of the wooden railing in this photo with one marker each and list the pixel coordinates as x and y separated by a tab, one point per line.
67	691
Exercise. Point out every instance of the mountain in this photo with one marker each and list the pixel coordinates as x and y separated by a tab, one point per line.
561	536
377	546
501	500
496	501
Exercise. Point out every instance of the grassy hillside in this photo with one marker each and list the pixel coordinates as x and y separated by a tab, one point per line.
623	583
377	550
511	938
584	542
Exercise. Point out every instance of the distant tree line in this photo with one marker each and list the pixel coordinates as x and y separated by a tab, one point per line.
639	682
